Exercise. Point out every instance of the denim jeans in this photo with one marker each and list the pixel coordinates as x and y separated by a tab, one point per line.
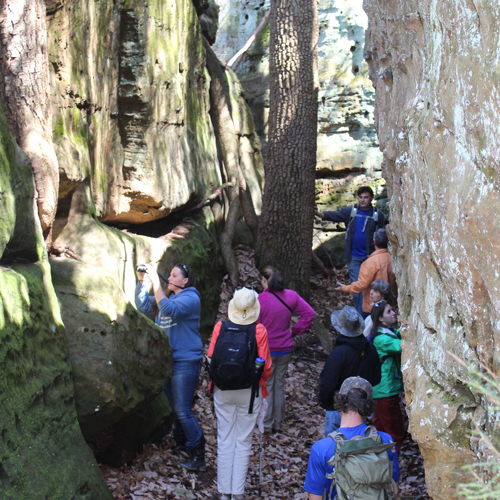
332	421
353	268
180	393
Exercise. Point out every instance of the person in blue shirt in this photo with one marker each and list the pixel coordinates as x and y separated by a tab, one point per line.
179	317
355	402
361	220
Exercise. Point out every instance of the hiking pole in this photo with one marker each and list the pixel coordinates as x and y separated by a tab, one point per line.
260	464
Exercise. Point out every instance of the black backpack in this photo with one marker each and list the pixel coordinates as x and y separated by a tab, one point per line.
232	366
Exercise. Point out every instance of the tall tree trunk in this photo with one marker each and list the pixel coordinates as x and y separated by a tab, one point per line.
24	91
286	223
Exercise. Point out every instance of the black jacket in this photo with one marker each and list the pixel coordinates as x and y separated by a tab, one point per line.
344	215
352	357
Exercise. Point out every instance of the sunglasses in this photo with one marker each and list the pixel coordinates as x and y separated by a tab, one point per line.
242	287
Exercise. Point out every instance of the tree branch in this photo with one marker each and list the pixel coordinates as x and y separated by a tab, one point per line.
236	60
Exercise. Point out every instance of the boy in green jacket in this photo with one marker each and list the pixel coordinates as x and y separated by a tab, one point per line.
387	341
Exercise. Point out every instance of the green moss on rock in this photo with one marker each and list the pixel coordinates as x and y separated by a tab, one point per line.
42	453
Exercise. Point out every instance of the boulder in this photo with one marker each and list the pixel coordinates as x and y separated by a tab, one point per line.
116	254
42	451
119	443
437	118
130	106
121	360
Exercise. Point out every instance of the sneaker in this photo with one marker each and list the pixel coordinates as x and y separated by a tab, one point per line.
223	496
239	497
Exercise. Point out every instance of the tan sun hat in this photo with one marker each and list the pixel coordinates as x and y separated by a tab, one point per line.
244	307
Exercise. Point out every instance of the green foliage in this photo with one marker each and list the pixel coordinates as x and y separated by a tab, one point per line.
486	474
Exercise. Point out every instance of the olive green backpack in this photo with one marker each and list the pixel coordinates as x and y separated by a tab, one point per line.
362	467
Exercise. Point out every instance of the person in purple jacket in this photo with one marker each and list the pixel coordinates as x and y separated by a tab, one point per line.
277	305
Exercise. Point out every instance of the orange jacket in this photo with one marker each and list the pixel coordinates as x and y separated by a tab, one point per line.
377	267
262	351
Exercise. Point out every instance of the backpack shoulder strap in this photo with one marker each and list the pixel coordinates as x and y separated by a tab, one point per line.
375	214
354	212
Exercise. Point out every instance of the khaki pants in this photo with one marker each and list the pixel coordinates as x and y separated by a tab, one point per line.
276	387
234	438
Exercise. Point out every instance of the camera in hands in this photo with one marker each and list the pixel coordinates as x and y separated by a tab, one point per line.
141	268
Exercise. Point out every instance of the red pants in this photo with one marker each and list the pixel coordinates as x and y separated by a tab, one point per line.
389	419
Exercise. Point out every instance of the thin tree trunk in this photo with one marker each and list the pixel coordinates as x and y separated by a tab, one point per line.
237	59
25	96
286	223
247	207
238	194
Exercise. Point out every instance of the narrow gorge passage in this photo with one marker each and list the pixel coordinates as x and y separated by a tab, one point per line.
157	473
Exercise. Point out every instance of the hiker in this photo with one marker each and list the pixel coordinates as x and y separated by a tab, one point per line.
355	403
353	356
378	266
179	317
361	220
277	305
379	290
234	348
387	340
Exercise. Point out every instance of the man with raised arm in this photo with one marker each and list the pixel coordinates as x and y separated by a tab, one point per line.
361	220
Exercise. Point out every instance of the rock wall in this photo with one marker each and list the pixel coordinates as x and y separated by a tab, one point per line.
131	107
42	451
435	69
348	155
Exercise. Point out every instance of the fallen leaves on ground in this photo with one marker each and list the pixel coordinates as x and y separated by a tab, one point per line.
157	474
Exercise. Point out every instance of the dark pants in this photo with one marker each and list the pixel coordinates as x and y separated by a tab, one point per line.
180	394
353	267
389	419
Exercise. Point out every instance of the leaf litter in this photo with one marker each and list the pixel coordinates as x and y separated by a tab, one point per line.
156	473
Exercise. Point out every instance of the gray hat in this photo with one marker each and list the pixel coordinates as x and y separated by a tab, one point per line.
357	383
348	322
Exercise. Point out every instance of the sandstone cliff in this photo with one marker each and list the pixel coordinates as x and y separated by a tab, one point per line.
435	69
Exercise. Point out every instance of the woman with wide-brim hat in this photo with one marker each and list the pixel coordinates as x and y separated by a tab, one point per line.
234	423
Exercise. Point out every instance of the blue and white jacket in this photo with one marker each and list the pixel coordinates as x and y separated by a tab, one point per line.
179	317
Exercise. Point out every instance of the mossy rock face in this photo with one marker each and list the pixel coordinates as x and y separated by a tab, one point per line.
121	360
130	100
19	229
42	453
116	254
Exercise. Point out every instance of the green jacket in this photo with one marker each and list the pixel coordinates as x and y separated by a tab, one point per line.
388	345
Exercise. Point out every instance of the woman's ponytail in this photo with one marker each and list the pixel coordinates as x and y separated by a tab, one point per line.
274	279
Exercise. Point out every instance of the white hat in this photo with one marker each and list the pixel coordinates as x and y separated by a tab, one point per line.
244	307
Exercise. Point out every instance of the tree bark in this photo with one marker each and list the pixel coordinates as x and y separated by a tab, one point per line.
24	91
286	224
238	194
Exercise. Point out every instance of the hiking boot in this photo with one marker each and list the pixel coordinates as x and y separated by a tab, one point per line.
197	457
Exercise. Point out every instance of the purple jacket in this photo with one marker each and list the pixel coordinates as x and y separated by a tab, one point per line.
277	318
